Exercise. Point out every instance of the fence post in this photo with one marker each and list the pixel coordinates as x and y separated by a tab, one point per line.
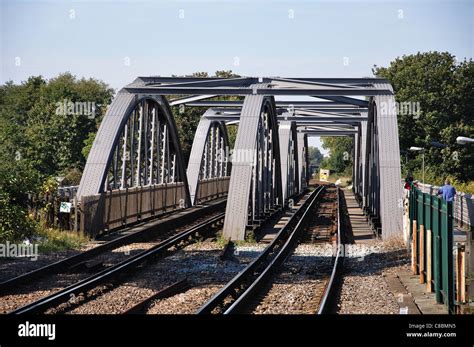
421	222
460	274
447	254
429	243
437	249
414	234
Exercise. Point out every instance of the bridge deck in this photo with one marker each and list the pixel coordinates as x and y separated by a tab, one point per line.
361	230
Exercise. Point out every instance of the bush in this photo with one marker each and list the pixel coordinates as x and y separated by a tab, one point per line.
15	225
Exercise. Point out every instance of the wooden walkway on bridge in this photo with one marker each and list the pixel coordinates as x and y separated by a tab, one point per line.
361	230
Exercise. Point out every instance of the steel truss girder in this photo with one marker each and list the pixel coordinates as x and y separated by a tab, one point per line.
255	184
390	190
376	171
114	127
288	159
209	153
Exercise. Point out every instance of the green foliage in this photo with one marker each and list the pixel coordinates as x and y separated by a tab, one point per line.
48	136
314	155
444	89
232	133
340	149
88	144
187	120
15	225
40	139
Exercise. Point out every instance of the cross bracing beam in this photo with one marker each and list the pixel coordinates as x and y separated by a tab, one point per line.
350	81
327	128
302	111
176	90
197	82
317	105
189	99
340	110
309	112
305	119
328	133
346	100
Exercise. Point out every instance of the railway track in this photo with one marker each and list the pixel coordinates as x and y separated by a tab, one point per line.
212	268
244	293
143	232
114	273
251	286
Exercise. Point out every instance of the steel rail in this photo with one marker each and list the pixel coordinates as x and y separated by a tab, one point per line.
329	290
175	288
93	281
288	236
143	232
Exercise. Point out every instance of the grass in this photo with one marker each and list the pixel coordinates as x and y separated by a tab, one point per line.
54	240
249	240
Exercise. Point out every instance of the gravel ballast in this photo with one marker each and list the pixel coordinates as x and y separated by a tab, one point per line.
364	289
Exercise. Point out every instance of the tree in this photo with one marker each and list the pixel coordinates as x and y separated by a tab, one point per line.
37	141
187	118
315	156
444	90
340	149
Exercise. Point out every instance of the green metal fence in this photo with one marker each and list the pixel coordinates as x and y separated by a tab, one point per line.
431	232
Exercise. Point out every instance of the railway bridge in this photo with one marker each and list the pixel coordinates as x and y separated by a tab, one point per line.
138	184
136	170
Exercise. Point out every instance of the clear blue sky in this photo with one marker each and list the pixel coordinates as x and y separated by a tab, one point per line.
253	38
